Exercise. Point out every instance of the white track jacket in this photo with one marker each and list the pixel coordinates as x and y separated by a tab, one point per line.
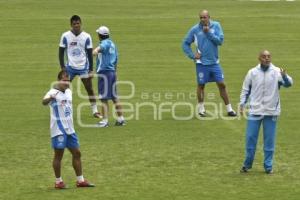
261	88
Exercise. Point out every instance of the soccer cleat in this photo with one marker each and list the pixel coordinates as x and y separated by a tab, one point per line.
231	114
84	184
244	170
121	123
97	115
202	114
269	171
60	185
102	124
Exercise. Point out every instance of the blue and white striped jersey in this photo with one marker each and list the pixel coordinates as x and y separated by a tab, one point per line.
61	112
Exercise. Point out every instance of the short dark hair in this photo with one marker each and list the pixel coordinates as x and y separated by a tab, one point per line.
103	37
61	74
75	18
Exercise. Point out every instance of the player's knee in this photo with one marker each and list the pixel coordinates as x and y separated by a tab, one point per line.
222	86
76	154
58	155
90	91
105	101
57	158
116	101
201	86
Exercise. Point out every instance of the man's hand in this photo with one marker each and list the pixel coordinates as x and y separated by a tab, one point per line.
283	72
48	100
53	96
205	28
241	110
96	51
197	56
91	74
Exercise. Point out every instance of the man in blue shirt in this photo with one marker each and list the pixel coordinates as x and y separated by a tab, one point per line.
207	36
107	58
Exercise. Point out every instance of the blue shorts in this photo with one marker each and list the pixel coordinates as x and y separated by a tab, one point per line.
65	141
74	72
209	73
107	88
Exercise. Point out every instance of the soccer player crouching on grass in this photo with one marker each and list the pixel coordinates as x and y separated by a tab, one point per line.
62	130
107	58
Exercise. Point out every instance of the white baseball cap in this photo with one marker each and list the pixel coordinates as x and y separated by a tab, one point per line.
103	30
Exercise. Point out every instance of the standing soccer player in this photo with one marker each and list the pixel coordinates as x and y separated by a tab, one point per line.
207	36
107	59
62	130
261	86
78	47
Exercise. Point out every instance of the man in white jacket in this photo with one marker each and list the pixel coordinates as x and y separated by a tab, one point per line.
261	87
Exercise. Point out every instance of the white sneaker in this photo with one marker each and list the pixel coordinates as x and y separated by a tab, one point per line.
120	123
102	124
202	114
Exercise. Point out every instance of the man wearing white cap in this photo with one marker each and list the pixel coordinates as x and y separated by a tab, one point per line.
106	65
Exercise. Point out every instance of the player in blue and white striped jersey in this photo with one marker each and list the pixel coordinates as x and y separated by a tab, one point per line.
62	130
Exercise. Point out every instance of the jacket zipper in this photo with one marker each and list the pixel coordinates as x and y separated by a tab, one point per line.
263	95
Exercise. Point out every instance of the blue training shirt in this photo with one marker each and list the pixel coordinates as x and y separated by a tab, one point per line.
206	43
108	56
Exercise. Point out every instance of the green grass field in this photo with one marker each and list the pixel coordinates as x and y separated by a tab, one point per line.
148	159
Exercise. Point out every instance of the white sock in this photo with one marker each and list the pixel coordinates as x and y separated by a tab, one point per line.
229	108
201	108
94	108
105	120
120	119
80	178
58	180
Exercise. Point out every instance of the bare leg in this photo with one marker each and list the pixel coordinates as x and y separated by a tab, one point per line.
76	161
118	107
104	109
223	92
58	155
77	165
87	82
200	93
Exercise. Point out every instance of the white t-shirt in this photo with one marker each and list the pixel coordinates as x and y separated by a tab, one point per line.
76	47
61	112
